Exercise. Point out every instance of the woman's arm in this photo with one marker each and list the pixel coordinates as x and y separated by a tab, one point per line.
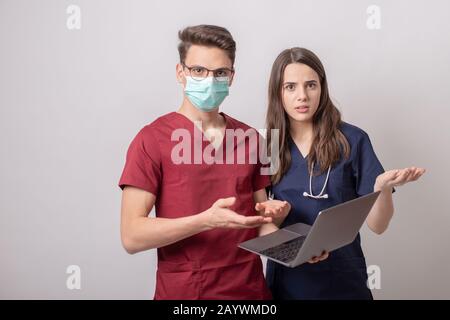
382	211
276	209
259	197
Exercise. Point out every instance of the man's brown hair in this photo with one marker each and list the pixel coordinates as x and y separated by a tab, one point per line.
206	35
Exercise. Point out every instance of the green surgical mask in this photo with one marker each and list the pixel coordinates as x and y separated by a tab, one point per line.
207	94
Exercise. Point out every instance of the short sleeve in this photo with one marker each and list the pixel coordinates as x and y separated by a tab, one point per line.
143	163
259	179
366	166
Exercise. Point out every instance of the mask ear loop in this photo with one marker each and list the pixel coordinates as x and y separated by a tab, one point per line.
320	195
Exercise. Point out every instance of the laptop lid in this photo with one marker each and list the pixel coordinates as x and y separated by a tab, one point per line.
336	227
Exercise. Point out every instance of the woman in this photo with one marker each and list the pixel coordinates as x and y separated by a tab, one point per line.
322	162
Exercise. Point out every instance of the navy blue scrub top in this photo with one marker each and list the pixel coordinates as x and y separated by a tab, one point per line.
344	274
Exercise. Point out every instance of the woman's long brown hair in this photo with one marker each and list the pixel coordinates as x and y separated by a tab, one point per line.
328	141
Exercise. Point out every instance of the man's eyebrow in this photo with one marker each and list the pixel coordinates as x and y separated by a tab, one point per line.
223	68
216	69
197	66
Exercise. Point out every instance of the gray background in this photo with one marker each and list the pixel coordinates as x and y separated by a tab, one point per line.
72	100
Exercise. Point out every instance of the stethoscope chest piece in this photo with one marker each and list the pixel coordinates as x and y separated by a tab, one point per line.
321	195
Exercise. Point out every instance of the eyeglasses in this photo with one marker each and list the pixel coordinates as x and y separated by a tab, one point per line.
199	73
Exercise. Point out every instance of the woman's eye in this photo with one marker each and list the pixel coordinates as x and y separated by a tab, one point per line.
289	87
311	85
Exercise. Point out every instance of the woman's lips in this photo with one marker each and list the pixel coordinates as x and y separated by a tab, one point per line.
302	109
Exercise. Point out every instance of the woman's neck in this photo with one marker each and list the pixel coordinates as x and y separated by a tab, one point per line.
301	132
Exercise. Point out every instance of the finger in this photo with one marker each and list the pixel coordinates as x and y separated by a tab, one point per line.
314	260
233	225
234	217
276	211
324	256
256	220
389	176
280	207
401	177
268	206
270	214
397	174
406	171
225	202
420	172
415	175
259	224
266	213
259	206
248	225
409	174
251	220
393	173
267	220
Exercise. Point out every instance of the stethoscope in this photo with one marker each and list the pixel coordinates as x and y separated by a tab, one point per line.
321	195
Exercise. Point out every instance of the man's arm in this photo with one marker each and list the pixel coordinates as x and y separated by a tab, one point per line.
140	232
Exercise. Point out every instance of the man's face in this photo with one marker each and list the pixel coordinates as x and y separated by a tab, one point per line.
211	58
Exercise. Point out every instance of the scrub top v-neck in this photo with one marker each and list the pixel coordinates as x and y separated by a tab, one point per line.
344	274
208	265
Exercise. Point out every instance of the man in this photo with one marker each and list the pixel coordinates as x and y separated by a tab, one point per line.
203	210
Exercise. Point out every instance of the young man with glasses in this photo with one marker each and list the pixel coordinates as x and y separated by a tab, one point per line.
203	210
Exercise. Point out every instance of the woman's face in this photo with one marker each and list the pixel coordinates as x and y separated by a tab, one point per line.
300	92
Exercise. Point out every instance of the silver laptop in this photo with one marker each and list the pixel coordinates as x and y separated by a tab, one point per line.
334	228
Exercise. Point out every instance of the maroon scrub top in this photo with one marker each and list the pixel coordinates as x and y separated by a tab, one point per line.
208	265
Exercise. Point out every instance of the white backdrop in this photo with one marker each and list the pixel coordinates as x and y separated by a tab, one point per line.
78	79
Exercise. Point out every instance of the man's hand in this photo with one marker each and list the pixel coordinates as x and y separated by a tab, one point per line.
220	216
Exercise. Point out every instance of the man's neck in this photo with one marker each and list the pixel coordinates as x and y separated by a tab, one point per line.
210	119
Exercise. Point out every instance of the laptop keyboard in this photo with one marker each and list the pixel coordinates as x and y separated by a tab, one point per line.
286	251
